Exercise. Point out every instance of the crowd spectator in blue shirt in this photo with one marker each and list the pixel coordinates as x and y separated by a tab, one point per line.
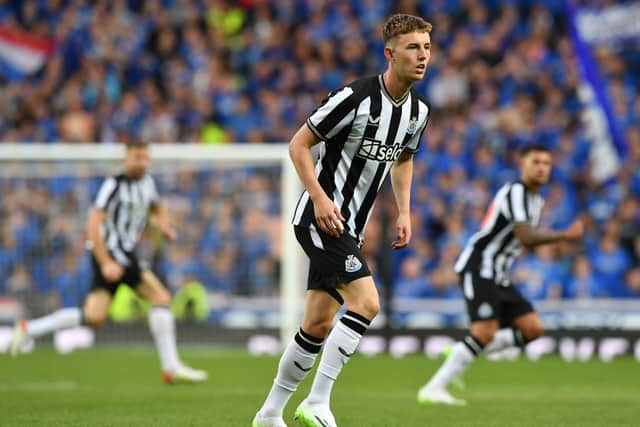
611	261
582	282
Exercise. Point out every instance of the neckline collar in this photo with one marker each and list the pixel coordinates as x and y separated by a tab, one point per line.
388	95
531	190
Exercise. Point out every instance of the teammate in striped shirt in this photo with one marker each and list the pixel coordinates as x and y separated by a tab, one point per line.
500	316
370	127
116	221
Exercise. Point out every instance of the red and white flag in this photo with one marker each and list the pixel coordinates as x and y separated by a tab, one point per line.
23	53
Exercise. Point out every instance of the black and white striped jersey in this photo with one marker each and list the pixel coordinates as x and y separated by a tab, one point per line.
492	250
364	131
126	203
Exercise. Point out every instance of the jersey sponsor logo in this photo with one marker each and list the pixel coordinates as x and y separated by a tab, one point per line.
485	310
375	150
352	264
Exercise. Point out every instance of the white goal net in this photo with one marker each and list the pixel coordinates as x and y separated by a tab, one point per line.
232	205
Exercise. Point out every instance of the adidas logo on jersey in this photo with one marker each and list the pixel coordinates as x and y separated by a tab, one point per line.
375	150
352	264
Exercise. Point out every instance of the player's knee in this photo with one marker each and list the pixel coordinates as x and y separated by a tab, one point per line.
485	337
483	334
533	331
318	327
95	319
162	297
369	308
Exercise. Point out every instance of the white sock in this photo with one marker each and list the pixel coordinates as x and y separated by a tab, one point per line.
295	363
341	344
461	356
61	319
163	329
504	338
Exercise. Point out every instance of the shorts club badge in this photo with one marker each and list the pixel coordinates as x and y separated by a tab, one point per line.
352	264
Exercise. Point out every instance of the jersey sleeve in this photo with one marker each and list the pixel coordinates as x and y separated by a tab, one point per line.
517	201
105	193
333	114
414	143
154	197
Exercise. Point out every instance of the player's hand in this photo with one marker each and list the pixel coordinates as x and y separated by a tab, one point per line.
111	270
168	232
328	216
403	232
575	230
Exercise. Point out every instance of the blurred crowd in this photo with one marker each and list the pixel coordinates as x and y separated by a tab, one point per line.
228	221
215	71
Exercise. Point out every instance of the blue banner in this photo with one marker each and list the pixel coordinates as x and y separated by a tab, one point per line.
608	142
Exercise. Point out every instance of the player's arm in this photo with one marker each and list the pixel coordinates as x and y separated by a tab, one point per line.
531	237
110	269
401	175
326	212
159	218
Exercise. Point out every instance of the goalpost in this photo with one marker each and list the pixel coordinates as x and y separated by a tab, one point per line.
27	160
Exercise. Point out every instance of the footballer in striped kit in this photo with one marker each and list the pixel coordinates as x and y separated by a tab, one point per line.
369	128
500	316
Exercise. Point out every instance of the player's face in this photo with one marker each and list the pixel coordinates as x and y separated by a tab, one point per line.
410	55
536	167
136	161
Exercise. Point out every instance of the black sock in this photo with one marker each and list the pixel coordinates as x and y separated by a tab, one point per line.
473	344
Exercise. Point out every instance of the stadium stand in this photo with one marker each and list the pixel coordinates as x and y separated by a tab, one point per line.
502	74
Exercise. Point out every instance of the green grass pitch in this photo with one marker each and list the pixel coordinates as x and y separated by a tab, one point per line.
108	386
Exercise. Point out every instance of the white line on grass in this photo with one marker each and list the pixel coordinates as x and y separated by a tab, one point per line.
40	386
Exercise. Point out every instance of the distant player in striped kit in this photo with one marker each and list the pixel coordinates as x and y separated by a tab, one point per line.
500	316
116	220
370	127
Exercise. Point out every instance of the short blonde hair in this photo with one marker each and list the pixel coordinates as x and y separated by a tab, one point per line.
401	23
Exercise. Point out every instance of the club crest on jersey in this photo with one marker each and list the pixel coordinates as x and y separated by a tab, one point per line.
352	264
485	311
413	126
375	150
